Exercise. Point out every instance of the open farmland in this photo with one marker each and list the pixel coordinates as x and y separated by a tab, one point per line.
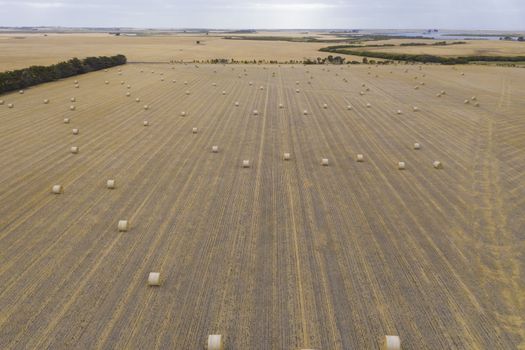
280	255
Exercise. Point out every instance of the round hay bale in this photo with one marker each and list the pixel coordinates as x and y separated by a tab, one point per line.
111	184
123	225
223	92
297	82
360	158
476	104
161	79
438	95
417	145
137	99
368	105
128	94
214	84
154	279
46	101
305	112
324	161
122	82
236	104
286	156
185	83
10	105
182	114
187	92
391	342
361	93
245	163
281	105
106	82
401	165
146	107
437	164
72	108
443	92
250	83
215	342
255	112
145	123
466	101
1	102
349	107
77	86
75	131
73	99
363	85
194	130
367	89
21	92
57	189
66	120
174	81
473	98
261	88
416	87
325	106
215	149
399	111
75	149
128	87
415	109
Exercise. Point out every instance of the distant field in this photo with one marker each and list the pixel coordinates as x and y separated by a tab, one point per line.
281	255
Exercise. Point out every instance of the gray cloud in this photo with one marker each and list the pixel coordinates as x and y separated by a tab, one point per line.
454	14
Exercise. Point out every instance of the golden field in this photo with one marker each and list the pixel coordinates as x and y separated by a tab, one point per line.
280	255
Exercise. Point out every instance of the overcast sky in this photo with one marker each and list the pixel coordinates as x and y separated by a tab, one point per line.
343	14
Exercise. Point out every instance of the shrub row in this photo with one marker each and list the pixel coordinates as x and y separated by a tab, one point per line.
22	78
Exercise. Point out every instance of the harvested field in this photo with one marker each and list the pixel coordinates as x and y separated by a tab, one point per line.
280	255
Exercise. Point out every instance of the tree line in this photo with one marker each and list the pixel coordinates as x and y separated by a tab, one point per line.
23	78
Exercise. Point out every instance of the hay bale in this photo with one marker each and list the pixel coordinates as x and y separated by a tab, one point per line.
77	86
443	92
368	105
72	107
417	145
467	101
194	130
10	105
72	99
360	158
245	163
255	112
297	90
415	109
250	83
74	149
185	83
361	93
297	82
215	342
75	131
473	98
128	87
399	111
128	94
416	87
325	106
401	165
213	84
236	104
46	101
154	279
286	156
66	120
305	112
281	105
437	164
223	92
349	107
187	92
1	102
146	107
391	342
476	104
215	149
324	161
145	123
123	225
137	99
182	114
261	88
21	92
106	82
111	184
57	189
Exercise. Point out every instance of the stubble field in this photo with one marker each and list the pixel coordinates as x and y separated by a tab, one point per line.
280	255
